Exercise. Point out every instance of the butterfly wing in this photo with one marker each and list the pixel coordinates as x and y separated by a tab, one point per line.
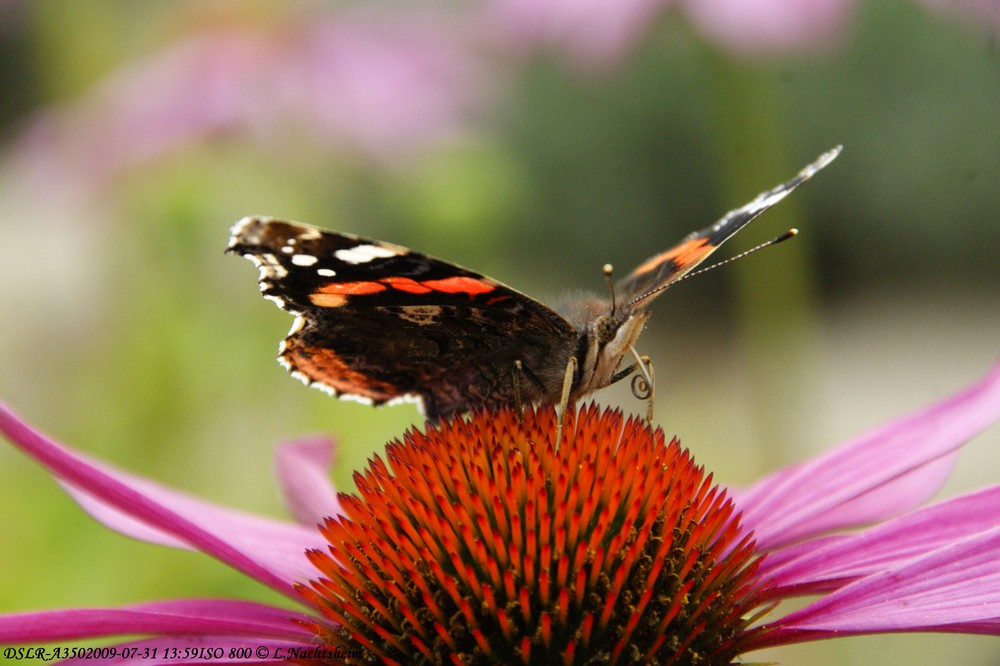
659	272
378	322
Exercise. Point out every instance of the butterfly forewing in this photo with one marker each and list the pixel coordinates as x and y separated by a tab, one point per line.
380	322
660	271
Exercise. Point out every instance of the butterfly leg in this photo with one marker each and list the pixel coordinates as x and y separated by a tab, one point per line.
642	383
564	400
622	374
516	384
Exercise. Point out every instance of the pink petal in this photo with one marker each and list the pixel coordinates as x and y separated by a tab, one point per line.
214	617
954	588
814	567
264	549
879	474
302	469
277	545
776	560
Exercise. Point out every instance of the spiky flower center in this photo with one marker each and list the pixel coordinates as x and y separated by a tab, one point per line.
482	542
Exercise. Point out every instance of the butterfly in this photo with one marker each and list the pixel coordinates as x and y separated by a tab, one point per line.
381	323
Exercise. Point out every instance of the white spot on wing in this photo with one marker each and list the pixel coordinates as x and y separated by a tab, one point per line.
326	272
278	300
237	233
362	254
407	398
363	399
268	266
304	260
308	233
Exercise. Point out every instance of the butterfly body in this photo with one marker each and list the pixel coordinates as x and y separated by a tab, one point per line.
381	323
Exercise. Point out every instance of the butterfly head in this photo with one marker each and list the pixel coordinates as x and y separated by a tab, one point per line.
606	333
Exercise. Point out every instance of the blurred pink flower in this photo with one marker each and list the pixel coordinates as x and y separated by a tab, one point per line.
588	32
595	33
382	83
842	526
377	85
771	26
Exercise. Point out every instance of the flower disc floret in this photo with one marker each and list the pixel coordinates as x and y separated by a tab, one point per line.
482	542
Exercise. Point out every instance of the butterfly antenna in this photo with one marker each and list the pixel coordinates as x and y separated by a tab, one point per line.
608	270
791	233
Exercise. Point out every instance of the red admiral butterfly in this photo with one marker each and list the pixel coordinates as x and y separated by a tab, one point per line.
379	323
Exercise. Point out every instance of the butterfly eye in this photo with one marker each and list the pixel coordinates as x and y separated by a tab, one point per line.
605	327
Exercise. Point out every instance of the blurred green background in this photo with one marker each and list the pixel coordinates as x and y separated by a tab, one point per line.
510	138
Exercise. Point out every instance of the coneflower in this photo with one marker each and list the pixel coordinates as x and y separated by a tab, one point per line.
485	541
